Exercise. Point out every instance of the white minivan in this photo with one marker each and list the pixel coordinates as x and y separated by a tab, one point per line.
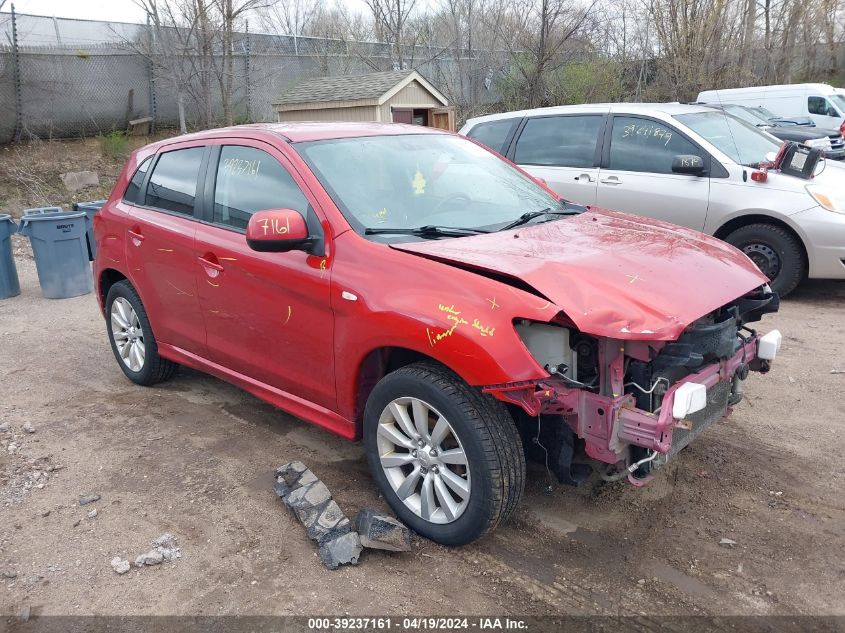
822	103
687	164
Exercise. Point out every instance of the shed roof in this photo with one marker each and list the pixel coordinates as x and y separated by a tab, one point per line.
373	87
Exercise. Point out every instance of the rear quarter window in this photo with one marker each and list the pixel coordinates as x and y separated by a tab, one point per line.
133	189
493	134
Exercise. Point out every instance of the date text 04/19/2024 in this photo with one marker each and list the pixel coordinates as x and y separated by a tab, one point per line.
424	623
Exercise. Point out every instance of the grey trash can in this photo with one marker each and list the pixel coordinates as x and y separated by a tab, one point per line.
9	284
60	249
90	209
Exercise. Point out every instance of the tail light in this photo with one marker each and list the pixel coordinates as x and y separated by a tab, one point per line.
842	128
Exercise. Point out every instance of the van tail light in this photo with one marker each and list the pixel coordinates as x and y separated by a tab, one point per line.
842	128
759	176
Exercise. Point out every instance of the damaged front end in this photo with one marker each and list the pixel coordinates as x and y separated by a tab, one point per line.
635	404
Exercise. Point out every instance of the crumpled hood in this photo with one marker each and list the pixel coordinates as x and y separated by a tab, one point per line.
613	274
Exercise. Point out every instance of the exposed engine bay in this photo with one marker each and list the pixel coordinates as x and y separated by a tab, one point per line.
635	404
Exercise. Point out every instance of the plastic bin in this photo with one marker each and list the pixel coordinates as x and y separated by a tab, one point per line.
9	284
90	209
61	253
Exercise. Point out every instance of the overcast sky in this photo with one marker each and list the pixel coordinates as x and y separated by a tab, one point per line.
114	10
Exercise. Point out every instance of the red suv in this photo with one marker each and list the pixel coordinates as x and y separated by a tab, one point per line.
408	287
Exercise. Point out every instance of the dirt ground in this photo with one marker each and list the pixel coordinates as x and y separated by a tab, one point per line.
30	173
194	457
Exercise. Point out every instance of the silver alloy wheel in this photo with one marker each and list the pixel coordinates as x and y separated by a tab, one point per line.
128	334
423	460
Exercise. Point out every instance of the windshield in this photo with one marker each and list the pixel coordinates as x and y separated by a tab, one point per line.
746	114
422	180
838	101
767	114
745	144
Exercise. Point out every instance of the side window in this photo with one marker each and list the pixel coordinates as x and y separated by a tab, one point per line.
559	141
643	145
819	105
250	180
173	183
493	134
134	186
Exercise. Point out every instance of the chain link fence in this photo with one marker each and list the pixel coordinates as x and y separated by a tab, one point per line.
89	88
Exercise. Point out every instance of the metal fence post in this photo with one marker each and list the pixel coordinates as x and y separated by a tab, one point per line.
248	82
16	71
151	75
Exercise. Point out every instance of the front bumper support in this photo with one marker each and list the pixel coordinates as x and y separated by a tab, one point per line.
608	424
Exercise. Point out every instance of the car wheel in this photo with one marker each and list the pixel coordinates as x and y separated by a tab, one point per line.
132	339
776	252
447	458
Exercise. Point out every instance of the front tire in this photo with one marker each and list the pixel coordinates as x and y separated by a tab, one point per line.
447	458
132	339
776	252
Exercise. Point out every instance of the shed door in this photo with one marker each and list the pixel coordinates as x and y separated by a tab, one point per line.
403	116
443	118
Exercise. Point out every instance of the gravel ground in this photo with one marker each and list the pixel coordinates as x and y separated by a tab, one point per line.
194	458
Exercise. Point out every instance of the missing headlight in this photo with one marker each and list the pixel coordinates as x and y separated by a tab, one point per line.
549	345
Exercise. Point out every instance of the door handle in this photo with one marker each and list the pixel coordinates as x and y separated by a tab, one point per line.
585	177
212	269
611	180
136	236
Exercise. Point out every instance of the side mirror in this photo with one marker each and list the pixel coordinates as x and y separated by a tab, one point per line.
688	164
277	231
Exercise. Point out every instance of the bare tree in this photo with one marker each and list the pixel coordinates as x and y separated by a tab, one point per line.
390	20
537	33
291	17
175	28
231	12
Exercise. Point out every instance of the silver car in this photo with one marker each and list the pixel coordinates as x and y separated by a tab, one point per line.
641	158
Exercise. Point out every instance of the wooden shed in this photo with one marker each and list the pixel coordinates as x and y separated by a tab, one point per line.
402	96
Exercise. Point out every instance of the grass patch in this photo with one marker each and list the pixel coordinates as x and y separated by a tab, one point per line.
114	144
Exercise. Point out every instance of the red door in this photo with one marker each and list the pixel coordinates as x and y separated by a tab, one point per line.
160	248
403	116
267	315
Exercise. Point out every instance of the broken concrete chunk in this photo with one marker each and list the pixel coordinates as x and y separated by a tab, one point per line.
307	478
84	500
312	495
329	523
379	531
282	489
165	540
76	180
343	550
153	557
120	565
324	521
167	546
290	472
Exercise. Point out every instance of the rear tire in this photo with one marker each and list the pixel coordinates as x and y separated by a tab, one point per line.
776	252
480	429
131	336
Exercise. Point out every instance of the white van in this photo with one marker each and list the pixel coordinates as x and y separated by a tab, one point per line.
823	103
